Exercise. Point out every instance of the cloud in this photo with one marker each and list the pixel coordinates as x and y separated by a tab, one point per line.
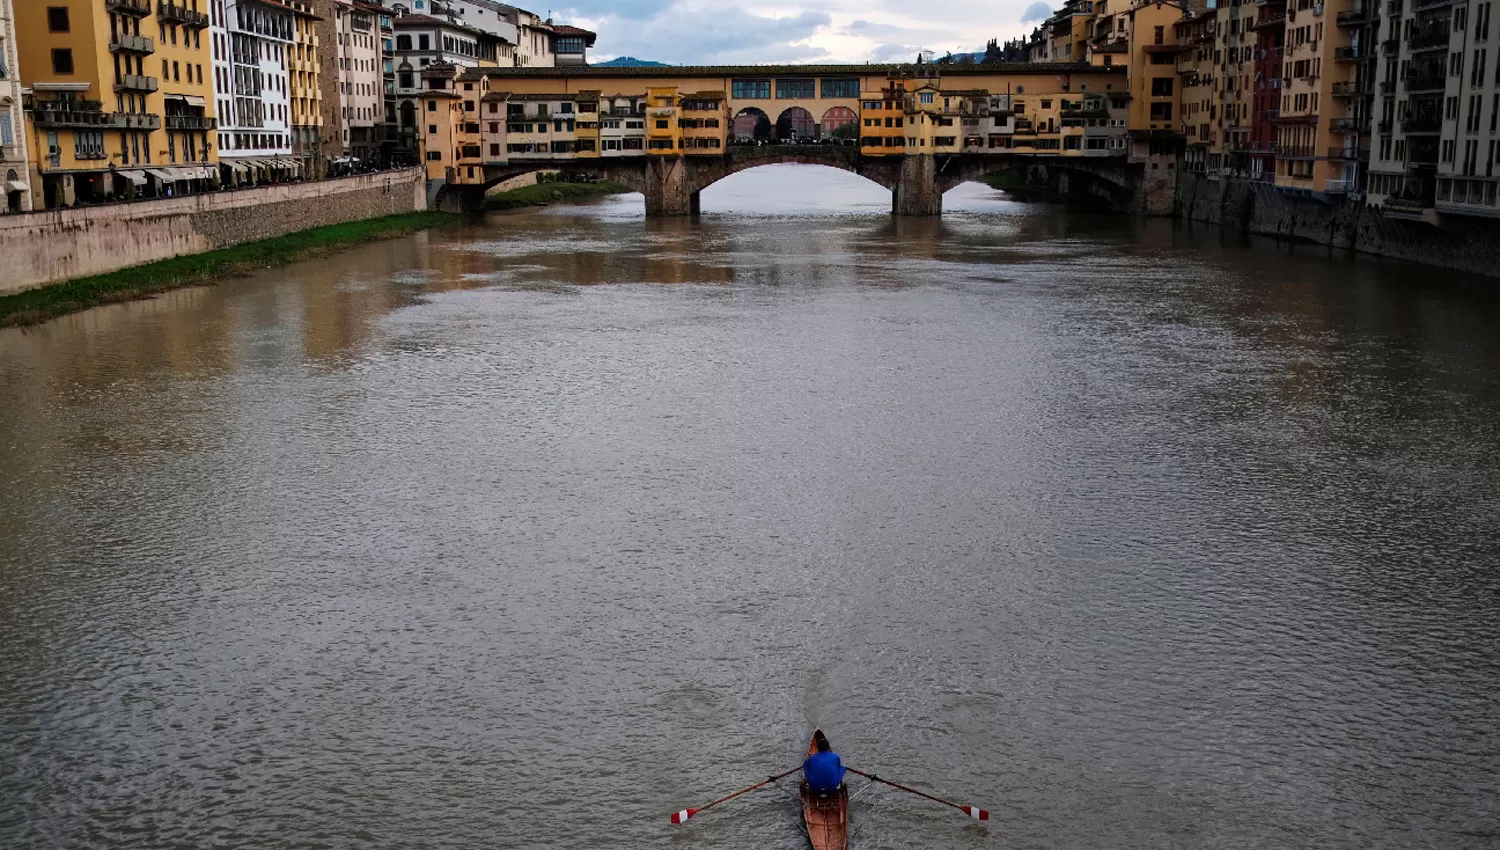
762	31
1036	12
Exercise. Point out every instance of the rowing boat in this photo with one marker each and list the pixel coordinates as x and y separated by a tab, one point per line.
827	814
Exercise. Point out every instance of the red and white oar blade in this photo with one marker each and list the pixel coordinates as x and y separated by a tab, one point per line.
682	816
977	813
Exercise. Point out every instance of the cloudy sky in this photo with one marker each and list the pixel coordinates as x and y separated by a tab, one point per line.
712	32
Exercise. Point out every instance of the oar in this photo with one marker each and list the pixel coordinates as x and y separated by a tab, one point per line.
972	811
682	816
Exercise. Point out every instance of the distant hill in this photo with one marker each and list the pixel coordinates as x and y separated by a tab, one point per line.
630	62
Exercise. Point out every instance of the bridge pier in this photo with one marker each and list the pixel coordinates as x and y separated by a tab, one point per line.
667	190
916	192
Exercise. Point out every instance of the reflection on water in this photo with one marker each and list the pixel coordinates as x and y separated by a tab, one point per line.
1141	535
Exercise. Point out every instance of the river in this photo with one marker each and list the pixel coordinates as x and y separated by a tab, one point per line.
529	532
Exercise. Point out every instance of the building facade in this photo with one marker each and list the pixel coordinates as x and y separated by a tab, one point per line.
15	164
120	99
255	48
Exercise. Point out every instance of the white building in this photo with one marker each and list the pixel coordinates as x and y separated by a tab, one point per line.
251	43
529	41
421	41
361	108
14	167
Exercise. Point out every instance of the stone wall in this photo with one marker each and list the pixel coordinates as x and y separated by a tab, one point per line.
55	245
1465	243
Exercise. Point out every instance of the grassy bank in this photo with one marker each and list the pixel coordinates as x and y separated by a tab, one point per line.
551	193
38	305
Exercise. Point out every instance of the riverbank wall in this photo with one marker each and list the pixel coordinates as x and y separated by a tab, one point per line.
39	248
1462	243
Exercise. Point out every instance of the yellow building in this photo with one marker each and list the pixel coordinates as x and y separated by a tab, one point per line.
1318	135
882	121
304	90
121	98
663	132
1197	73
586	144
704	122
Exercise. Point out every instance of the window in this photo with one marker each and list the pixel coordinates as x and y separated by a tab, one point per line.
403	42
1161	86
570	45
432	129
62	61
435	156
925	97
795	89
424	42
841	88
431	106
751	89
57	19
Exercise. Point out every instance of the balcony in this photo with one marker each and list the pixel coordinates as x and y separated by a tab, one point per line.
1422	124
1357	16
1388	87
1347	54
1386	125
127	43
1348	88
1349	125
1430	4
1426	83
1348	153
1434	40
1339	187
1269	20
139	8
1288	152
139	121
171	13
136	82
1391	46
191	122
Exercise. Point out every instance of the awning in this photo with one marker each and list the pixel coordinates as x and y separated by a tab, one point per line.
136	177
163	176
16	186
190	99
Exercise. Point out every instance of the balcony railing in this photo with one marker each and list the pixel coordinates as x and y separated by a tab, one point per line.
1391	46
127	43
140	121
1269	20
1386	125
1347	54
1348	153
1422	124
128	7
1290	152
1428	4
1348	88
171	13
1388	87
1352	18
1347	125
136	82
1435	40
191	122
1425	82
1339	187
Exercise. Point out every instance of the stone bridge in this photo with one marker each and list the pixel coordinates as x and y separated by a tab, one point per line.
672	185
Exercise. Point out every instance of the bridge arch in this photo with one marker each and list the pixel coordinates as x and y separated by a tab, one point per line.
840	122
752	124
796	124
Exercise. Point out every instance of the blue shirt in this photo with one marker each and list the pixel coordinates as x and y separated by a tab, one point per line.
824	771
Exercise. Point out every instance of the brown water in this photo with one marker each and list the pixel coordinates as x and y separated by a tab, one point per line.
528	533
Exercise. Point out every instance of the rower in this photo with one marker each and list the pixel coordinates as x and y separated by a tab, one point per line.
823	769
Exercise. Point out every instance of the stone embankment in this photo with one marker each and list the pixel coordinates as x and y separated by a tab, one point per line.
1462	243
41	248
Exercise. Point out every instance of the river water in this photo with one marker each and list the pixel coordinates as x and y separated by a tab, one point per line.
529	532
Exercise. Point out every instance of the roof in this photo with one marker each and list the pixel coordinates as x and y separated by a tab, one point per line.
430	21
287	7
965	92
566	31
705	95
1010	68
